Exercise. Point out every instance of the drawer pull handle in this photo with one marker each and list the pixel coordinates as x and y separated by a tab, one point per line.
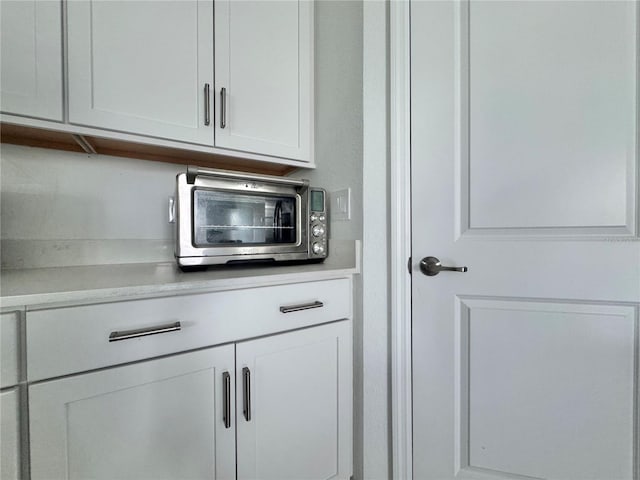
246	388
226	399
143	332
304	306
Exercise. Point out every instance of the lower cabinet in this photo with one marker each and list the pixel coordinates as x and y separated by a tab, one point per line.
284	400
159	419
294	405
10	396
9	435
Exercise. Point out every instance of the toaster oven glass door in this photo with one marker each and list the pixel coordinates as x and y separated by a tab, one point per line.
223	218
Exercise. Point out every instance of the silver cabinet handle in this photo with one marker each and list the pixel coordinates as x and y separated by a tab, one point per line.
223	107
143	332
226	399
246	389
431	266
304	306
207	103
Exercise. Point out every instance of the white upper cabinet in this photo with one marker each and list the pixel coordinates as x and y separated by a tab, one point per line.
264	77
146	68
31	58
142	67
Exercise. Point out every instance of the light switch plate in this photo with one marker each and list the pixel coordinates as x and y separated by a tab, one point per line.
341	205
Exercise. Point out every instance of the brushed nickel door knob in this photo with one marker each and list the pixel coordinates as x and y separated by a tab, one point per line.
431	266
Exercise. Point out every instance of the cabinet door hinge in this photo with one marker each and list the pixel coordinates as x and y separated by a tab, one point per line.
409	266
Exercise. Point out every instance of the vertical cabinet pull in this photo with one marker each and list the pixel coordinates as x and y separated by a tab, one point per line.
246	389
226	399
207	103
223	107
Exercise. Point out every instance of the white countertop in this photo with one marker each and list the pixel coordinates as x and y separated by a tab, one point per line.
58	286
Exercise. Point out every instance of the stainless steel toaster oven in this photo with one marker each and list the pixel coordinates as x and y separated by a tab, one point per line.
229	217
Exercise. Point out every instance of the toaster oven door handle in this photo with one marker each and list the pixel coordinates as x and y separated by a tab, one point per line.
304	306
144	332
193	172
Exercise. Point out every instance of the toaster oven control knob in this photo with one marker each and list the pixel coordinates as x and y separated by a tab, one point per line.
318	249
313	217
318	230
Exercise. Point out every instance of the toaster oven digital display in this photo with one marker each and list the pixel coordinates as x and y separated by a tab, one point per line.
317	201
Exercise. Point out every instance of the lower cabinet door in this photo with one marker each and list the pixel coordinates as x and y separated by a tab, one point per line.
159	419
9	435
294	405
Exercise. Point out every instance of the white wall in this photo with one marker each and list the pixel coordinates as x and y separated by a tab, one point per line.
64	208
338	107
338	152
352	151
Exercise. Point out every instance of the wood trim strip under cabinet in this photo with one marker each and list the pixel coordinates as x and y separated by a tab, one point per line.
57	140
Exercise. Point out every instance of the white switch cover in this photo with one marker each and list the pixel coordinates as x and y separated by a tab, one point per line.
341	205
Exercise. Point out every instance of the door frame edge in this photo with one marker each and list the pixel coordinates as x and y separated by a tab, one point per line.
400	236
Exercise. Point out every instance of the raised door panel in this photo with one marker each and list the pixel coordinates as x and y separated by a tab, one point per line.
9	435
264	77
31	58
548	122
298	422
545	385
141	67
161	419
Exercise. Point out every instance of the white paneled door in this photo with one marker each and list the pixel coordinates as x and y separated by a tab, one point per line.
524	128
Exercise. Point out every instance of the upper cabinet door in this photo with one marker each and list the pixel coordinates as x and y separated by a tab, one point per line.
31	58
264	77
142	67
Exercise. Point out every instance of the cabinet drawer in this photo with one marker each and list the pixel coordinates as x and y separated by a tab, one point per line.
8	349
67	340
